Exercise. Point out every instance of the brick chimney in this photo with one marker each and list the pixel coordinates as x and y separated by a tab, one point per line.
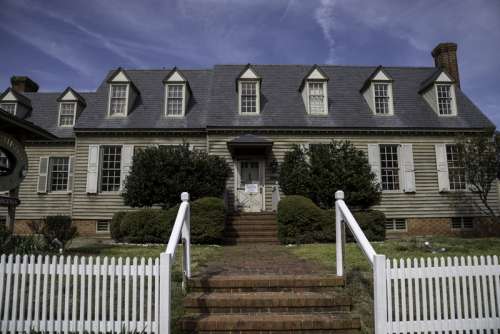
445	57
23	84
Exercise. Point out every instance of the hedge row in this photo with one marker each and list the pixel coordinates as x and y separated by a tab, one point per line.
155	225
301	221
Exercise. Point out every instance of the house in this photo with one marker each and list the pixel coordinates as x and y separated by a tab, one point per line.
406	119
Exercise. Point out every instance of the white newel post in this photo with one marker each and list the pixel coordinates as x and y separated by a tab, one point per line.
379	294
186	237
339	196
165	276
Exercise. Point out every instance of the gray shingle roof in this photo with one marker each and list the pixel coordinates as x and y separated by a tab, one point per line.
214	102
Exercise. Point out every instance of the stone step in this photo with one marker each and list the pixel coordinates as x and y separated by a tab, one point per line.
271	323
266	302
253	218
252	240
265	282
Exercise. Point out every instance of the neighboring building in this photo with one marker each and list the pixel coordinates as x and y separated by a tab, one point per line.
405	118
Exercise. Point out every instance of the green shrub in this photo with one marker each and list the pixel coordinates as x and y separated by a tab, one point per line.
320	171
60	228
155	225
117	233
301	221
159	175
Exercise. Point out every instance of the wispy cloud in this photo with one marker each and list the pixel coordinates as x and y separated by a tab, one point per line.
325	17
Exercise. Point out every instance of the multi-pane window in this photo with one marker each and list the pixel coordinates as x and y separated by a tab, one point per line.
248	97
110	168
462	223
316	98
389	167
395	224
9	107
67	114
118	100
4	163
102	226
381	98
58	173
444	99
175	100
456	170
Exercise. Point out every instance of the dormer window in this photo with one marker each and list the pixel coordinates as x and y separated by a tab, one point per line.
248	97
439	92
9	107
316	98
177	94
67	114
248	88
175	100
444	99
314	92
118	100
381	95
377	92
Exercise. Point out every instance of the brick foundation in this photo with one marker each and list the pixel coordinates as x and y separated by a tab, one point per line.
86	228
426	227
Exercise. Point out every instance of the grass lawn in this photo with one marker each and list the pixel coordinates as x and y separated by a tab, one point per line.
358	269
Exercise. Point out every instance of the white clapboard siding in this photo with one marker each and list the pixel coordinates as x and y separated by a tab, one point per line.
441	295
76	295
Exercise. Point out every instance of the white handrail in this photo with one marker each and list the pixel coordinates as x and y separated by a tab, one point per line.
344	215
181	230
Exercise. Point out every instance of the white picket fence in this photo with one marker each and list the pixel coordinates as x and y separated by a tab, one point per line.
76	294
436	295
427	295
64	294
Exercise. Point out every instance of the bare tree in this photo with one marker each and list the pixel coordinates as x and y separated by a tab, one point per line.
478	156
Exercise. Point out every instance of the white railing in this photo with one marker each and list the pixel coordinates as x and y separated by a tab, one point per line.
66	294
181	230
426	295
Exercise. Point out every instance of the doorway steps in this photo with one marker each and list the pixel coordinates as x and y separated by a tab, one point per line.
268	303
245	228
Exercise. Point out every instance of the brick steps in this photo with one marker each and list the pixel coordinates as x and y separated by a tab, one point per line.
266	302
267	323
255	283
248	228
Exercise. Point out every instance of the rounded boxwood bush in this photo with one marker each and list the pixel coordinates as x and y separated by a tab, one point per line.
155	225
302	221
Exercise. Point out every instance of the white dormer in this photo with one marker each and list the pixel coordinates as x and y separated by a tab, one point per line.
122	94
439	93
9	103
177	94
315	92
377	92
249	92
70	104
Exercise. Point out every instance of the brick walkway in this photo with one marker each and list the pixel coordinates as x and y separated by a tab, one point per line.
259	259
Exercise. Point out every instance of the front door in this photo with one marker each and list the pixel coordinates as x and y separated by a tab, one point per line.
250	186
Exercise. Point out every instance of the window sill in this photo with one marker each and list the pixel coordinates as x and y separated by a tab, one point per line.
250	114
392	192
175	116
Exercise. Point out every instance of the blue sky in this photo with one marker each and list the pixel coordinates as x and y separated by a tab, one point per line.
75	43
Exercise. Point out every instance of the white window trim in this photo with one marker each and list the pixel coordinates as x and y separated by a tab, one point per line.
99	172
10	102
257	97
467	185
74	114
325	97
49	172
394	230
126	98
389	93
400	171
453	99
102	232
183	100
